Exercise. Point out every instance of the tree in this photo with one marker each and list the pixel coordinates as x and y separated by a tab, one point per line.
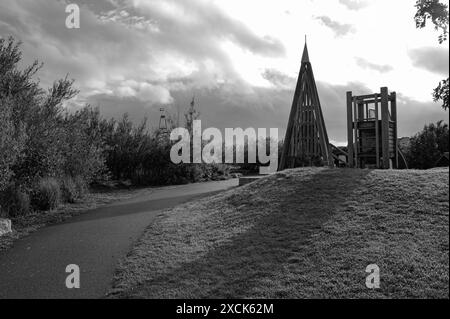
36	139
190	116
427	146
440	93
437	12
83	144
11	143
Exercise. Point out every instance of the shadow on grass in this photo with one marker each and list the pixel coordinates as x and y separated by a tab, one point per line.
255	258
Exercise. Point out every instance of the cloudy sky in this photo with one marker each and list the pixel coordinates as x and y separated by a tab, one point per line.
239	57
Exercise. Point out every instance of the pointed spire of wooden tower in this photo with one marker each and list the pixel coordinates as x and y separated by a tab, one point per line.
305	56
306	141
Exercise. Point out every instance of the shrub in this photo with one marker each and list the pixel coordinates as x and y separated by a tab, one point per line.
37	136
68	190
81	187
11	142
83	154
14	202
427	146
46	194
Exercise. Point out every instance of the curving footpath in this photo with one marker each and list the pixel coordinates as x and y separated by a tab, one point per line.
95	241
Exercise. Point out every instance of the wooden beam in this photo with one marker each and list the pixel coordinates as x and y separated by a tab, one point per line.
393	98
377	136
307	123
350	129
385	127
355	130
367	96
292	115
323	138
371	101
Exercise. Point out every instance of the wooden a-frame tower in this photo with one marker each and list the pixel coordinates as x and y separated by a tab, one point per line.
306	141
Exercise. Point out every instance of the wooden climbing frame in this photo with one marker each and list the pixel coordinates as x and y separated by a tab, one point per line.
372	130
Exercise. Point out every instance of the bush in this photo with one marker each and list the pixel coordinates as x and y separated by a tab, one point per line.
14	202
47	194
83	153
81	187
427	146
38	137
11	142
68	190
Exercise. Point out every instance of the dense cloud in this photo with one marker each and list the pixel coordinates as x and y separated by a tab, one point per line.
339	29
133	48
431	58
278	79
225	106
354	4
382	68
135	56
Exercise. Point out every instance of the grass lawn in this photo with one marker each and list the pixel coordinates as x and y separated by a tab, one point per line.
303	233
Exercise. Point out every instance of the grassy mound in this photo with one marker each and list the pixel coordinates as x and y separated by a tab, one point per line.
303	233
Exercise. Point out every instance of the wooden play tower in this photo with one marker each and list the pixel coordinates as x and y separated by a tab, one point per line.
372	130
306	141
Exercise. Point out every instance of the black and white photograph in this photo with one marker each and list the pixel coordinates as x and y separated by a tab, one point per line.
224	156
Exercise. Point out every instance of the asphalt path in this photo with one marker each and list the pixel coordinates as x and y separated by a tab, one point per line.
35	267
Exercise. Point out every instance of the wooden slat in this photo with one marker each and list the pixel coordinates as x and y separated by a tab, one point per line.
350	129
306	124
323	135
393	98
367	96
377	136
371	101
385	127
355	130
292	115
